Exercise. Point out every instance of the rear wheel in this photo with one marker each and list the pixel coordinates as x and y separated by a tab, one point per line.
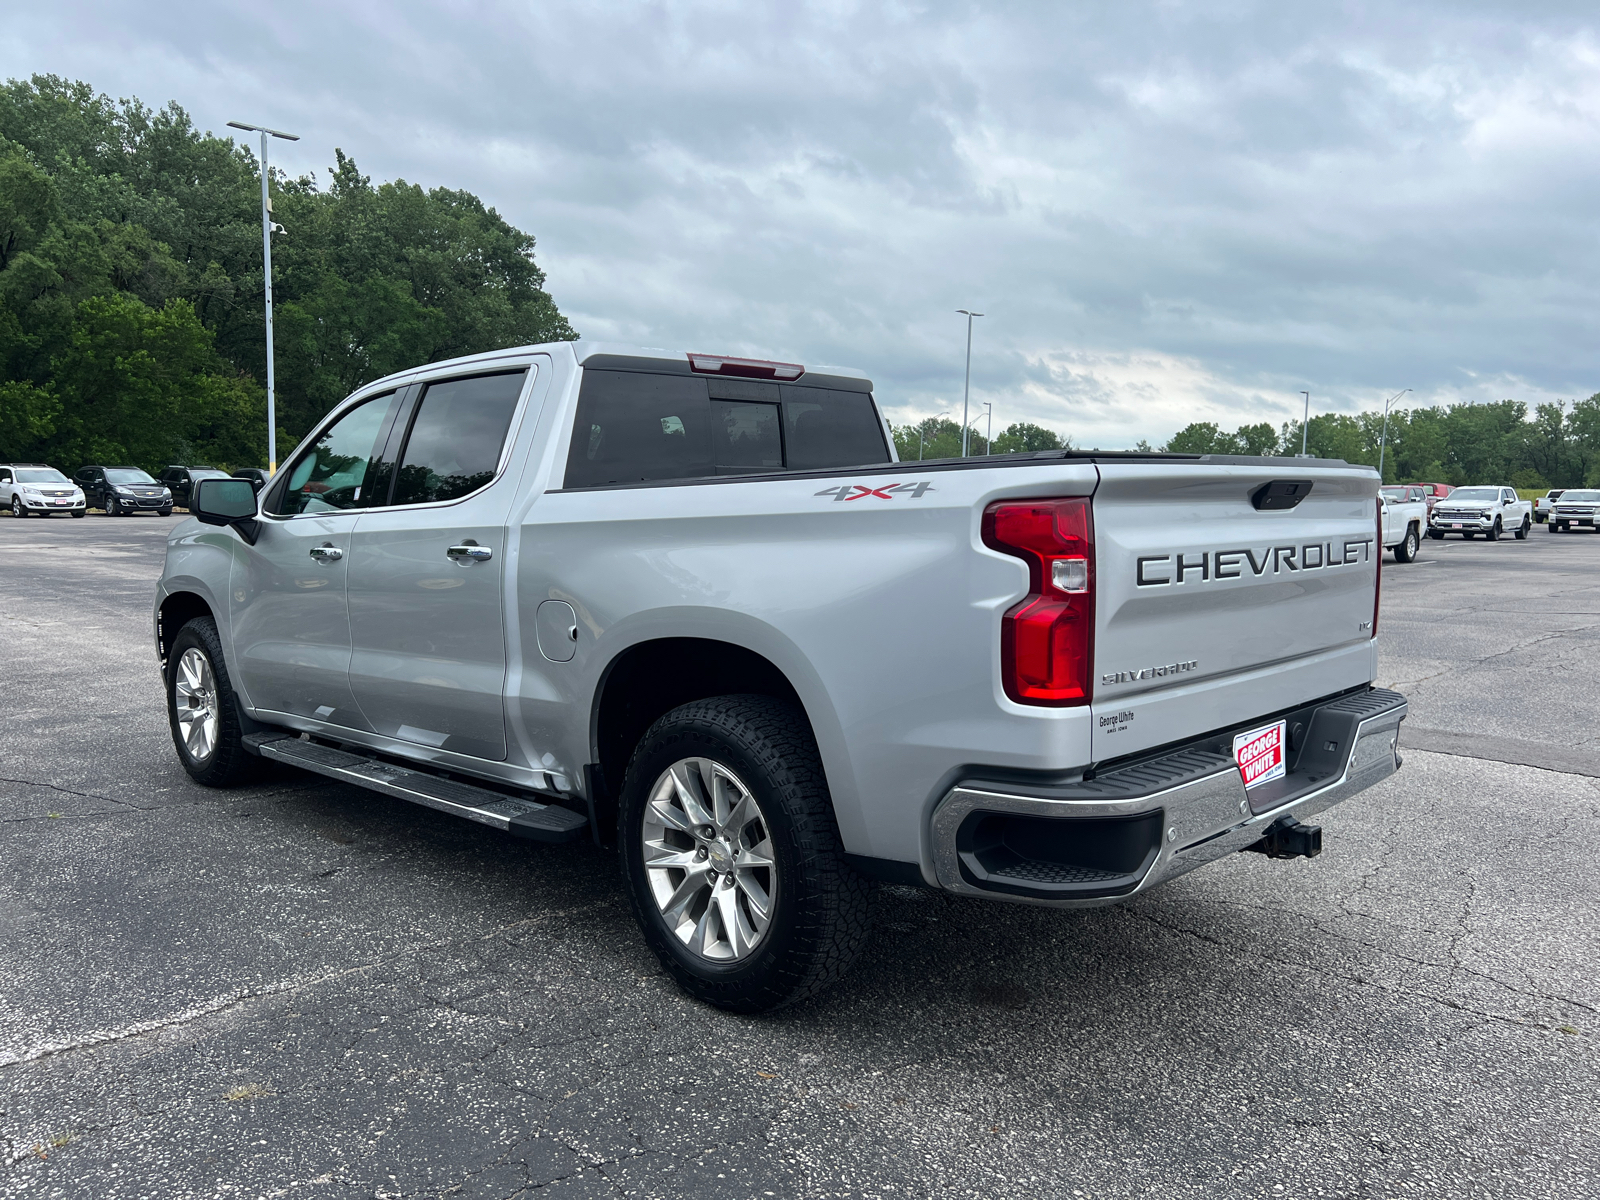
1406	551
732	858
202	708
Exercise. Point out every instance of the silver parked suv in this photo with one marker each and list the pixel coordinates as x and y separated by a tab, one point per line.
29	488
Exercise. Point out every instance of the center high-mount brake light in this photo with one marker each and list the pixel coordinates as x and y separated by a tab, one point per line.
747	368
1047	641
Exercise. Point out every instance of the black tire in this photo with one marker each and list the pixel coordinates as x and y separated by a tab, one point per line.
79	512
1406	551
821	908
16	508
1494	531
166	512
1522	531
111	506
1436	534
228	762
1551	527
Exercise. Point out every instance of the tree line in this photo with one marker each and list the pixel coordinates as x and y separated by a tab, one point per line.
1558	446
131	297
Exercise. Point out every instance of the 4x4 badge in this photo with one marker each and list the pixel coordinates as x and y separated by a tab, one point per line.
885	492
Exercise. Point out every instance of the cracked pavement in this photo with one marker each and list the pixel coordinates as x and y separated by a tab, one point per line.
304	989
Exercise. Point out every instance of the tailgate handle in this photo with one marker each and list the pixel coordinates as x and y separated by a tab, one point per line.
1280	494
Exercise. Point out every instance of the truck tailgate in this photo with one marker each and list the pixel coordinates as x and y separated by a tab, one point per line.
1211	611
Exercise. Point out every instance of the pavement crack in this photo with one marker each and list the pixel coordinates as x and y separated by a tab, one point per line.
66	791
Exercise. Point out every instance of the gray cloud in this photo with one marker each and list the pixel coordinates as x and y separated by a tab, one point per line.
1169	211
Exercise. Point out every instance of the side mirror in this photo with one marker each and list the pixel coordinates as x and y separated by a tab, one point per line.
227	502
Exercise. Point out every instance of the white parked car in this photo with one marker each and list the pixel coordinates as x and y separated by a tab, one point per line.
30	488
1575	510
1405	516
1490	511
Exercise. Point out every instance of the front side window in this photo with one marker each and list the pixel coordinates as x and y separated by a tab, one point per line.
456	437
331	473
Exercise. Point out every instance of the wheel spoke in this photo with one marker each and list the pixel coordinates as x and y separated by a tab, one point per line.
660	857
759	855
756	897
694	882
702	928
684	784
671	817
739	936
742	814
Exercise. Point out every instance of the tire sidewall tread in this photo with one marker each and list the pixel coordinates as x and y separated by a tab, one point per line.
230	763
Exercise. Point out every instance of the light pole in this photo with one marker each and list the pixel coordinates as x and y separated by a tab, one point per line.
1383	438
266	260
922	430
1305	424
988	445
966	388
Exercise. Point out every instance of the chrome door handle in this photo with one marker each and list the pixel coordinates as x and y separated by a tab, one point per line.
471	553
326	553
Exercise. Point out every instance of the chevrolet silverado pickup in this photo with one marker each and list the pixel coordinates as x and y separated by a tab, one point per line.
1490	511
1405	516
1578	508
691	606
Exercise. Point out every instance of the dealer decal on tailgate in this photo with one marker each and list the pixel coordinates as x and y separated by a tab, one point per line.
1259	754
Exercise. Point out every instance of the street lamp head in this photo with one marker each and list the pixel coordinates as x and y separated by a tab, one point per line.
968	313
288	137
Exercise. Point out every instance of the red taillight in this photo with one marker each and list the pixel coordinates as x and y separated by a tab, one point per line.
1377	582
748	368
1047	641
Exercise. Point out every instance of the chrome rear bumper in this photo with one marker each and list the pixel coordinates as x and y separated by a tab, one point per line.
1205	811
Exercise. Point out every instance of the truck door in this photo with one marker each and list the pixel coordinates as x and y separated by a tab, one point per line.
291	626
427	569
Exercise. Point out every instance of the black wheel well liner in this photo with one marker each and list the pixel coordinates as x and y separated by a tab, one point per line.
651	678
176	611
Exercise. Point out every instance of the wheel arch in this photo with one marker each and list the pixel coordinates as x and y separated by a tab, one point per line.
176	610
649	678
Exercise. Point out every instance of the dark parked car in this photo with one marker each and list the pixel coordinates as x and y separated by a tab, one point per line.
257	476
180	481
123	491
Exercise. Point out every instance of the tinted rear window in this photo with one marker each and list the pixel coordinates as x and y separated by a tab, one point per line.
634	427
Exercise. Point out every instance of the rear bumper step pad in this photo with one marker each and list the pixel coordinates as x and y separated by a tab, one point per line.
513	814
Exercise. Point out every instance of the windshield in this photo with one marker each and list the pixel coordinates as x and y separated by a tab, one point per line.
1479	494
1585	496
126	475
41	475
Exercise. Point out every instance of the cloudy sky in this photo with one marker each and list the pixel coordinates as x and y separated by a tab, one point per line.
1168	211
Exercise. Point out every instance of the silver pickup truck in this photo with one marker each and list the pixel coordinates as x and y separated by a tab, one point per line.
692	606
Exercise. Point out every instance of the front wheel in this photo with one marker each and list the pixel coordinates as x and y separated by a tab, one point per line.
166	512
1406	551
1436	534
202	708
1494	531
16	507
732	857
111	506
1522	530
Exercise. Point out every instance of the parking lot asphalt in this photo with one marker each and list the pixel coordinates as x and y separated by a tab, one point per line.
304	989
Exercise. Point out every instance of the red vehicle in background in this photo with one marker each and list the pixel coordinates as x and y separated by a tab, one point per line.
1432	493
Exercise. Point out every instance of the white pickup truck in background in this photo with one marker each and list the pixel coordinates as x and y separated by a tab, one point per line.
692	606
1490	511
1405	519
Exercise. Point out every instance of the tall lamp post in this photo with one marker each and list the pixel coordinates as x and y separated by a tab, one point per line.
1383	438
266	258
966	388
922	430
988	445
1305	424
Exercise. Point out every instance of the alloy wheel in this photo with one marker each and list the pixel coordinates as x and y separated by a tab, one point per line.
16	507
194	695
708	855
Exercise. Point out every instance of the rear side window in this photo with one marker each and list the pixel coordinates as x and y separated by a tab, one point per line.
634	427
456	437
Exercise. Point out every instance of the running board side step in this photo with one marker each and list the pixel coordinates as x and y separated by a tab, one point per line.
513	814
